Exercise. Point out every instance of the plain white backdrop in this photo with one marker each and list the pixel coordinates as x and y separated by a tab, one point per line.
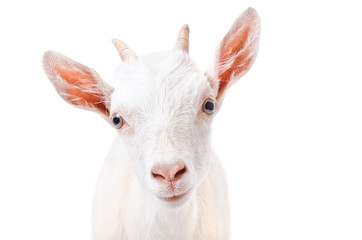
289	132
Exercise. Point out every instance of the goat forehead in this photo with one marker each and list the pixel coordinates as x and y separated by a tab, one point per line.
177	76
172	88
170	102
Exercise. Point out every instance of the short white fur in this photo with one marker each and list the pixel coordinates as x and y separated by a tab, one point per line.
160	98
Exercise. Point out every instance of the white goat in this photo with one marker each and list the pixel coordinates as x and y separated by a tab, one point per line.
161	179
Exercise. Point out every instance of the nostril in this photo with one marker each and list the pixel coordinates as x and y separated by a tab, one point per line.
159	177
161	173
179	173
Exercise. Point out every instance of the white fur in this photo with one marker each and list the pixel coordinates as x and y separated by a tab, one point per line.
160	98
123	209
161	102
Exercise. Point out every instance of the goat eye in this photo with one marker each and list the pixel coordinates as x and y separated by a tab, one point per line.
117	120
208	106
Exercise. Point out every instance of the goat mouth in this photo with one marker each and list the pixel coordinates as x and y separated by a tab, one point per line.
173	198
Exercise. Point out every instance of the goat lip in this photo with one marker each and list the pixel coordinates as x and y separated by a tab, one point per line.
173	198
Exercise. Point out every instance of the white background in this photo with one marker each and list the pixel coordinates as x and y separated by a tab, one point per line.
289	133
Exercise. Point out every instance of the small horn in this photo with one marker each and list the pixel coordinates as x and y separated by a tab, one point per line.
123	50
182	42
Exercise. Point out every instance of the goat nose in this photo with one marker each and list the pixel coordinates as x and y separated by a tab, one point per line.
168	173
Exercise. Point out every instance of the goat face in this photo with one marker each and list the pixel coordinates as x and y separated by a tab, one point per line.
162	105
166	123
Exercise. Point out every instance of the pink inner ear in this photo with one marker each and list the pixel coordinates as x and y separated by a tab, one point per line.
82	88
241	62
233	48
238	49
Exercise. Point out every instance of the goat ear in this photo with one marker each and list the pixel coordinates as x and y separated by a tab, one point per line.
236	53
77	84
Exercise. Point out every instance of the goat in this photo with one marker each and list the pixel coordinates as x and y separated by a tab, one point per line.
161	178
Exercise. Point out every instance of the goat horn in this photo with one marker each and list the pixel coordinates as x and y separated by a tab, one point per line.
123	50
182	42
